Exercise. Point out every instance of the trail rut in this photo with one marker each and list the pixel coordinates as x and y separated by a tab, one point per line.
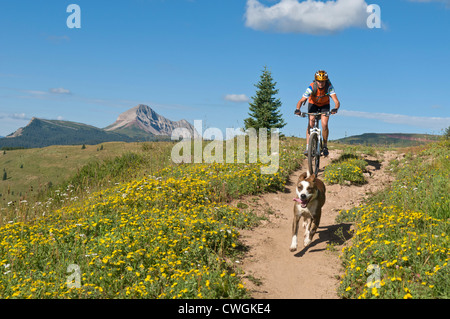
271	271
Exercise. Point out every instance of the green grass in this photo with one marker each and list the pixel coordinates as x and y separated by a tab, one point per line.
403	232
169	234
389	140
31	171
348	168
39	178
422	182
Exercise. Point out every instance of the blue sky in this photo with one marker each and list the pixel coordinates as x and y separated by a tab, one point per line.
200	60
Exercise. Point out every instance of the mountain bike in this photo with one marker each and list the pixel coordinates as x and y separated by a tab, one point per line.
315	144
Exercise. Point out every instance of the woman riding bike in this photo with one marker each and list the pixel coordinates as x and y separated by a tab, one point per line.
318	96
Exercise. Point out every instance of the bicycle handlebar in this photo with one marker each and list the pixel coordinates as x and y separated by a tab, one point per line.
318	113
315	114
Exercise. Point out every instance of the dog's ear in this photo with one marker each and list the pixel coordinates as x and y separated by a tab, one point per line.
312	177
302	177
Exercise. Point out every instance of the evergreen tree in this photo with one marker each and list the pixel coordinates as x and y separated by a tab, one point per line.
264	110
5	176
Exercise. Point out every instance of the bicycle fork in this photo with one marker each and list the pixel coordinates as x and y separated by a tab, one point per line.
319	139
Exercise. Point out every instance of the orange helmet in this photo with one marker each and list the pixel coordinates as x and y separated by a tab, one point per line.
321	75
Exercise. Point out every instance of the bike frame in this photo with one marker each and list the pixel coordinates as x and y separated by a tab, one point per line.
314	151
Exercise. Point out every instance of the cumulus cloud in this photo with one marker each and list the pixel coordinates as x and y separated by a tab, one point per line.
59	91
237	98
311	17
418	121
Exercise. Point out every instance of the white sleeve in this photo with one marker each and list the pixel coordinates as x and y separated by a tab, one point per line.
308	92
331	90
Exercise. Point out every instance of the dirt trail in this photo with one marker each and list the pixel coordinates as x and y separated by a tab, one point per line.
271	270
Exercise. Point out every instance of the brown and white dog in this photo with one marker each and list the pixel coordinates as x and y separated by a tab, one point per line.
308	204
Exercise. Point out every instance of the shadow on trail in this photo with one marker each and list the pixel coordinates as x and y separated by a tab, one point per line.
375	164
334	235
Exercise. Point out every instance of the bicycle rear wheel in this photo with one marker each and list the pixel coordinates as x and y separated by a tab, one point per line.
313	154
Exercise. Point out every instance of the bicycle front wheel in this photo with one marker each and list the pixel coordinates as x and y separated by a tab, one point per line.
313	154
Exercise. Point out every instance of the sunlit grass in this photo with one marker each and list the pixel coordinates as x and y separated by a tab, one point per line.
167	235
404	231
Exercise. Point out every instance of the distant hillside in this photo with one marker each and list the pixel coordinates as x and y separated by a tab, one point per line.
42	133
390	139
138	124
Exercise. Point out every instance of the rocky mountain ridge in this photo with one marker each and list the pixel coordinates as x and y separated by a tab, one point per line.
144	118
140	123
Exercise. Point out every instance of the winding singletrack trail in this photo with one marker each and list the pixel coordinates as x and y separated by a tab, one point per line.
271	271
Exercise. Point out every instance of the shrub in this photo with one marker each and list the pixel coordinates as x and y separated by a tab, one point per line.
348	168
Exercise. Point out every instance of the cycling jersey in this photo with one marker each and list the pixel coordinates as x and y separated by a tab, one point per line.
322	98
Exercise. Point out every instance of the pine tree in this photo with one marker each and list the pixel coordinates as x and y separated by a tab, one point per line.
264	110
5	176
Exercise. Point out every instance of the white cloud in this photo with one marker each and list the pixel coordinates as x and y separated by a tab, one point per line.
34	92
237	98
59	91
10	122
14	116
436	123
312	17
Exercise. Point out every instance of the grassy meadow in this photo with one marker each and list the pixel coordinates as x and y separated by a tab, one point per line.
135	225
401	246
169	234
30	173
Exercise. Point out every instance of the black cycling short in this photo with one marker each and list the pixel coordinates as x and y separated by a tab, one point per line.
312	108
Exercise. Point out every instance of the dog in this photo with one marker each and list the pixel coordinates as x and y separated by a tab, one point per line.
308	204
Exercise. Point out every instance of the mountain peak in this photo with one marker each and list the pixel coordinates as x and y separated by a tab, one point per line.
139	108
19	131
144	118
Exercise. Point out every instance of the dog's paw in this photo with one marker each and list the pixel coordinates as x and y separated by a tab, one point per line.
306	242
293	243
